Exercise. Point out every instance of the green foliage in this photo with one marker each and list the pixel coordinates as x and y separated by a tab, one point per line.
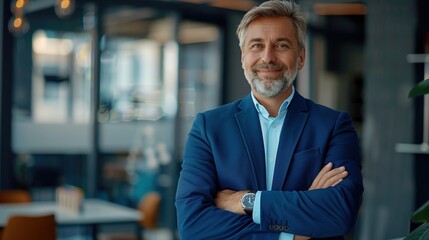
420	89
420	233
421	215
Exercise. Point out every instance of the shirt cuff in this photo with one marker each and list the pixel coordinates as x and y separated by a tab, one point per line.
285	236
256	215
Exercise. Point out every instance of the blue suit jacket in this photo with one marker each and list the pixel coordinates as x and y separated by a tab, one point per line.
225	150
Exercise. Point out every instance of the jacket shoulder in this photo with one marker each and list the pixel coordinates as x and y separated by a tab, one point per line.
223	110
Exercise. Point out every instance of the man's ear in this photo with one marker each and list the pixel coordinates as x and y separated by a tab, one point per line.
301	59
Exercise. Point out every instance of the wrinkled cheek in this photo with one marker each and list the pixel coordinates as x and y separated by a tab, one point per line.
249	74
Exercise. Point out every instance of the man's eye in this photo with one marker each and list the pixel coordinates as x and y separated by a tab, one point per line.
282	46
256	46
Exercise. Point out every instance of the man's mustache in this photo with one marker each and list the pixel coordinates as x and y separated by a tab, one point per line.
269	66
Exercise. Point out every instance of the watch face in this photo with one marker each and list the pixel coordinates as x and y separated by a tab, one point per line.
248	200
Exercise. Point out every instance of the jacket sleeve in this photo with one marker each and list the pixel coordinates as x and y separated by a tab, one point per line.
197	216
331	211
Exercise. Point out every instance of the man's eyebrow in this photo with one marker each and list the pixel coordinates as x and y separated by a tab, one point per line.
282	39
253	40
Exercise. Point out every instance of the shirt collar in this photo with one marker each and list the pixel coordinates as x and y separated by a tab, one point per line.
283	108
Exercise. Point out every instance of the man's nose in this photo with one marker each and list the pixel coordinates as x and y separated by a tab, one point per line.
268	55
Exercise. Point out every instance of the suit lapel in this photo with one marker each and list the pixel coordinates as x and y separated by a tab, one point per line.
250	129
295	121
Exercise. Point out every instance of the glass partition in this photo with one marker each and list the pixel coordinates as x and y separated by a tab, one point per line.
157	71
61	77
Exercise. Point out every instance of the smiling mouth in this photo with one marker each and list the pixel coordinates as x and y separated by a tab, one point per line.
268	68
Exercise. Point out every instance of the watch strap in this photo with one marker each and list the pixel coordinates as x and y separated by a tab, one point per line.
247	210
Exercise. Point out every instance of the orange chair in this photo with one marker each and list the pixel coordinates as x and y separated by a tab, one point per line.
15	196
149	207
30	227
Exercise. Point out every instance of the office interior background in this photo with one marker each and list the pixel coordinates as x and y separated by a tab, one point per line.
101	95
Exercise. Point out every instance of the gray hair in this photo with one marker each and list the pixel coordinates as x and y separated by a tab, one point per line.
275	8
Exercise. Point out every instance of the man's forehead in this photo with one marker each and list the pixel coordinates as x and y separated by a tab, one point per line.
274	28
283	24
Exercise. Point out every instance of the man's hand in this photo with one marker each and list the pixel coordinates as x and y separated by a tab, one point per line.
328	177
297	237
230	200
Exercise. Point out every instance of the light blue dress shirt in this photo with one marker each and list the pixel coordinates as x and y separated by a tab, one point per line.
271	129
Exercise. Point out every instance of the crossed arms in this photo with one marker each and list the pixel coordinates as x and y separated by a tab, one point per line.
229	200
325	208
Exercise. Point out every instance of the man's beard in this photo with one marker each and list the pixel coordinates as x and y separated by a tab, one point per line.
269	87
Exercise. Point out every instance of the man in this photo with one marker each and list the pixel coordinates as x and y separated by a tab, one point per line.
272	165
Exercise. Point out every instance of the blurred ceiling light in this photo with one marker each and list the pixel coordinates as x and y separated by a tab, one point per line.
339	9
19	3
18	25
18	6
64	8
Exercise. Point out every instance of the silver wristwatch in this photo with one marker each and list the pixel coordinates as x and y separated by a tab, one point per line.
247	202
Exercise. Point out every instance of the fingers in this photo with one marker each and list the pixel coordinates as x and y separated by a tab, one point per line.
297	237
329	177
319	176
333	177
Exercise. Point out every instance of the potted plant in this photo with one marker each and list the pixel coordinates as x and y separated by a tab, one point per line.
421	215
